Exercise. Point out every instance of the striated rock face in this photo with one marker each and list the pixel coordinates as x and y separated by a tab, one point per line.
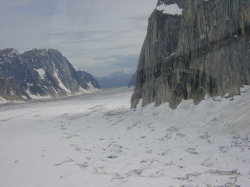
199	47
10	90
39	73
86	80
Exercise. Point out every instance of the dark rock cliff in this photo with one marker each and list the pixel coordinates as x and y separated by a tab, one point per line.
39	73
205	49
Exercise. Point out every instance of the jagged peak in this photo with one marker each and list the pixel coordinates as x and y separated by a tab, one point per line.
43	52
10	51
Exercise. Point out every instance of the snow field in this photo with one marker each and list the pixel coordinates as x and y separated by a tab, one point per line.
97	140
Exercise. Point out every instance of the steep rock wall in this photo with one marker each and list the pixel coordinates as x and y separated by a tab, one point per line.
203	50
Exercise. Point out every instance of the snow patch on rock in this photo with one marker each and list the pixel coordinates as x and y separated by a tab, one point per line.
172	9
2	100
61	85
41	73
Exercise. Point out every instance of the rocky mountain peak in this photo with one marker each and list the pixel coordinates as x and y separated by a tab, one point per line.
40	73
9	52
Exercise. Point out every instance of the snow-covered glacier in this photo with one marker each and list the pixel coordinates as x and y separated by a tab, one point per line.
97	140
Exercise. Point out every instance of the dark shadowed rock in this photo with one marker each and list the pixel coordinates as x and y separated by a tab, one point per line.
203	48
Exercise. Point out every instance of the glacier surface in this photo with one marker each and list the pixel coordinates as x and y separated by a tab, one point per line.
97	140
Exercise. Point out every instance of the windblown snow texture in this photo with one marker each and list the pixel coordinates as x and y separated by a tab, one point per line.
95	140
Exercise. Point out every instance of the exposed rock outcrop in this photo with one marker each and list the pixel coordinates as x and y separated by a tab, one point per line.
39	73
86	80
196	48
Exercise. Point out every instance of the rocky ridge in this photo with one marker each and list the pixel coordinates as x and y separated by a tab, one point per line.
40	73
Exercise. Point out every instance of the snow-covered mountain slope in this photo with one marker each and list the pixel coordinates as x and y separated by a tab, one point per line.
40	73
97	140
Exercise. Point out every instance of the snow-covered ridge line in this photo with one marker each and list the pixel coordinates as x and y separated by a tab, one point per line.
172	9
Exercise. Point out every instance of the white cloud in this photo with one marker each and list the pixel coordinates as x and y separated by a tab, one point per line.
83	30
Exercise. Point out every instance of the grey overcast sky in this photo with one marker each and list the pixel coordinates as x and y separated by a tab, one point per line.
99	36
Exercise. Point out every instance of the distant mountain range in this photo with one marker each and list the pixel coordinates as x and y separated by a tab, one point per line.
117	79
40	73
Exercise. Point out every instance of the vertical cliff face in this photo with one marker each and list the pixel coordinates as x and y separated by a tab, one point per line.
194	48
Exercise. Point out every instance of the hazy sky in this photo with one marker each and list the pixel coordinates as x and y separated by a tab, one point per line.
100	36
